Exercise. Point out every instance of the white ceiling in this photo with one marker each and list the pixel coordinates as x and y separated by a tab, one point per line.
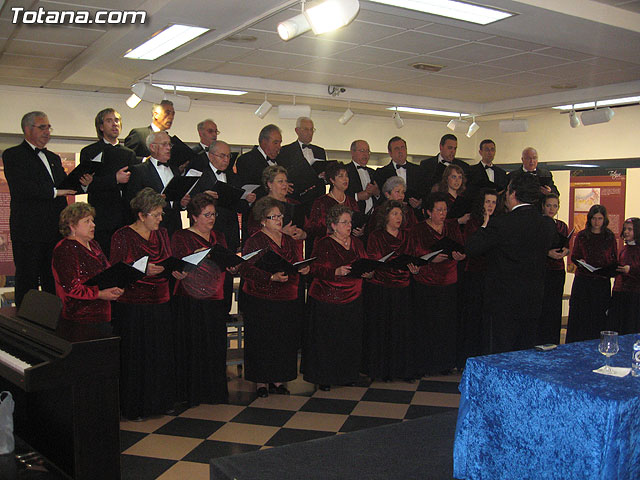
521	63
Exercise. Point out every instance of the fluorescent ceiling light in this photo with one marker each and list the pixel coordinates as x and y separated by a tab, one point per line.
581	165
451	9
184	88
425	111
601	103
164	41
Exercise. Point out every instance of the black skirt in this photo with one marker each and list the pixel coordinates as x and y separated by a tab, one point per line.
550	320
589	301
271	339
388	349
332	342
200	340
435	313
624	312
147	365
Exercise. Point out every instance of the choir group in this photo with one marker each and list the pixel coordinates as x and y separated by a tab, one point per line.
373	276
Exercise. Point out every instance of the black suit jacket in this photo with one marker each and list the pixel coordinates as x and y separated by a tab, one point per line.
355	185
303	176
415	179
478	179
34	212
145	175
516	245
544	176
249	167
107	196
433	170
201	161
137	141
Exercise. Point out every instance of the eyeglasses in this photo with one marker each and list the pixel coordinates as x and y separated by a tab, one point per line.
210	214
223	155
155	215
307	129
163	144
211	130
275	217
43	127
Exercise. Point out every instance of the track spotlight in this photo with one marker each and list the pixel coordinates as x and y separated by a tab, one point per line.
133	101
319	16
458	125
473	128
599	115
397	120
146	92
574	121
263	109
346	116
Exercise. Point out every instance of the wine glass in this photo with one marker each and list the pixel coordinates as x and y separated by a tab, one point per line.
608	347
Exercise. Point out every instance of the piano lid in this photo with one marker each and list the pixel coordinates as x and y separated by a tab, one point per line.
41	308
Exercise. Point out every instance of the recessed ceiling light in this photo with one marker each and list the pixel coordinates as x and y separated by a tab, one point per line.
601	103
215	91
451	9
426	111
427	67
164	41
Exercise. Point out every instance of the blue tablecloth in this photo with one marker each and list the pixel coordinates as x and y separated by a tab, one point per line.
546	415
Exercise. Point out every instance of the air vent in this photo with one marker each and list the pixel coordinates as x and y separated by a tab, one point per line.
564	86
241	38
427	67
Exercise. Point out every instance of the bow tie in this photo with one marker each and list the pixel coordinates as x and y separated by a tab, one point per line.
445	163
38	150
486	167
206	149
306	145
361	168
160	164
533	172
398	167
218	172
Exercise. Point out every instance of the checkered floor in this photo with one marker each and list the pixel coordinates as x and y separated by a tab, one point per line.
180	446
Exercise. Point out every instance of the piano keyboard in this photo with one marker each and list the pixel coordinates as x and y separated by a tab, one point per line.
13	362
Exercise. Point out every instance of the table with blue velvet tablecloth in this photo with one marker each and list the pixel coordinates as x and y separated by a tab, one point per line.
546	415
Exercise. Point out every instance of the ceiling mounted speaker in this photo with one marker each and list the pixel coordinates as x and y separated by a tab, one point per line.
514	126
181	103
294	111
346	116
600	115
263	109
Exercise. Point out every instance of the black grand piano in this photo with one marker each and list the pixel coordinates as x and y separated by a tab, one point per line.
64	380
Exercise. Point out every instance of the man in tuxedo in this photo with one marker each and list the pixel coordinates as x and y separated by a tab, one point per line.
433	167
35	176
208	132
162	116
155	172
485	174
410	172
250	165
362	184
301	158
530	167
516	246
107	191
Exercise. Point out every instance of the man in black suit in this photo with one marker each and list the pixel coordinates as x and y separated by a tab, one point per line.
530	167
411	173
162	119
362	184
250	165
301	158
155	172
485	174
35	175
107	191
516	246
433	167
208	132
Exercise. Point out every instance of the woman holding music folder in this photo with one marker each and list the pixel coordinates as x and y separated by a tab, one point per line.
594	248
453	184
551	317
625	299
435	299
388	335
332	342
272	312
201	329
76	259
394	189
142	315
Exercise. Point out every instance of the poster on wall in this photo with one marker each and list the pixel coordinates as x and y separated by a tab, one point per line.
597	187
7	268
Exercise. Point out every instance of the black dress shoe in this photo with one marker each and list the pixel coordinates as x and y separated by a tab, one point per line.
324	388
262	392
272	388
282	390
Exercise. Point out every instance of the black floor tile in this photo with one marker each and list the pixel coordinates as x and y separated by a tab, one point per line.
214	449
437	386
190	427
133	467
263	416
417	411
329	405
241	398
285	436
355	422
128	439
389	396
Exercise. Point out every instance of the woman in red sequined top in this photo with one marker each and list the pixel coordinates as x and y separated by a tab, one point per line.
624	316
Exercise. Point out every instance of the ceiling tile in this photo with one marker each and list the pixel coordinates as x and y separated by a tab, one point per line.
388	74
47	63
359	32
524	78
102	4
327	65
264	39
607	78
439	81
222	53
476	52
453	32
612	63
513	43
25	47
390	20
371	55
59	34
573	70
231	68
566	54
526	61
42	74
417	42
431	60
477	71
6	28
274	59
311	45
195	65
27	81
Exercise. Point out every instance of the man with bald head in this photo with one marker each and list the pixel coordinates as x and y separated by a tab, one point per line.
530	167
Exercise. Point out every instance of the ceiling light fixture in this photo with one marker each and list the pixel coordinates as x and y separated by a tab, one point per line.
346	116
574	121
164	41
264	108
397	119
458	125
319	16
451	9
181	103
599	115
600	103
426	111
186	88
473	128
146	92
